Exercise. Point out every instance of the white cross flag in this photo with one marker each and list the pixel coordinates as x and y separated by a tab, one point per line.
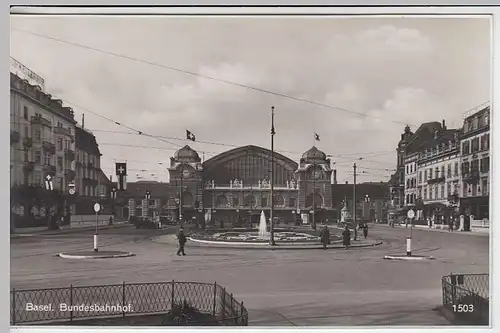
48	183
121	173
190	136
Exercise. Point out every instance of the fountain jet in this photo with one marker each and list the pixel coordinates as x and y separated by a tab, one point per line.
263	226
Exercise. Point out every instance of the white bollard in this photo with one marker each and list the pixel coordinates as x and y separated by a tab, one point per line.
408	246
96	249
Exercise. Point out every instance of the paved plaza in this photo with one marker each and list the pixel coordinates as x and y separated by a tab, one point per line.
285	288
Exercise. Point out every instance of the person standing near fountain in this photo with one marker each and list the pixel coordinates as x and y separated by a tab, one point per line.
325	236
346	237
181	237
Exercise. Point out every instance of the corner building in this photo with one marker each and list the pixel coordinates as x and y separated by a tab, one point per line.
235	186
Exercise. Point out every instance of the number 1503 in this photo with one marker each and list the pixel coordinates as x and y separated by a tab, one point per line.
463	308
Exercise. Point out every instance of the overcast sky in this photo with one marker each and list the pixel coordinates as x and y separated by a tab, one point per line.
410	70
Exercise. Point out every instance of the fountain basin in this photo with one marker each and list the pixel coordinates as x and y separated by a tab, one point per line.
255	237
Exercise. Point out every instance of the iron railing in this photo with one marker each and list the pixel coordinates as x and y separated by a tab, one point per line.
467	297
126	299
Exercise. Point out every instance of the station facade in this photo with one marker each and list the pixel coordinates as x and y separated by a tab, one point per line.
235	186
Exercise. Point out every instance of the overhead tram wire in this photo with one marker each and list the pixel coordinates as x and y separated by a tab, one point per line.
170	68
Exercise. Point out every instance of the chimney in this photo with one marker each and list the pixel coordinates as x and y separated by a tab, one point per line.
347	182
335	176
83	120
444	124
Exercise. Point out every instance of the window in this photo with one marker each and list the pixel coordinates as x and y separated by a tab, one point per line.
456	169
235	202
485	164
425	192
425	174
436	173
420	177
442	191
263	202
59	124
449	170
38	156
292	202
442	171
465	167
25	112
474	165
466	147
38	177
26	156
59	162
38	135
475	145
484	186
431	189
46	159
59	143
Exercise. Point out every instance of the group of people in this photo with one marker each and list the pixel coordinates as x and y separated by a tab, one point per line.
324	236
346	236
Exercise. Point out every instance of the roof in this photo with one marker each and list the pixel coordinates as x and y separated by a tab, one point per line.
187	153
422	134
138	189
374	191
444	137
313	154
249	149
86	141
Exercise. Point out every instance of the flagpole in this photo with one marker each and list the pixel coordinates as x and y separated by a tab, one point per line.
271	224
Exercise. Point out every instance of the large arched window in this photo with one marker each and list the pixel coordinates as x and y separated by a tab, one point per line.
221	201
249	201
317	200
187	199
279	201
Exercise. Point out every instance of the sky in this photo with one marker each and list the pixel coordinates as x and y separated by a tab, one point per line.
366	79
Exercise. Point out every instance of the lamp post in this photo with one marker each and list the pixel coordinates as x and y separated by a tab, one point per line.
367	207
271	224
147	197
113	199
354	205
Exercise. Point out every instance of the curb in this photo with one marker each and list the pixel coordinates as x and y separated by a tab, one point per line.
70	230
265	246
97	256
408	258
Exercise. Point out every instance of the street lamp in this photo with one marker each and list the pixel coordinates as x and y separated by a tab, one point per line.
147	197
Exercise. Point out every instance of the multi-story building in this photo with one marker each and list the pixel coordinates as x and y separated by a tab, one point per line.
90	182
438	171
475	163
42	137
402	184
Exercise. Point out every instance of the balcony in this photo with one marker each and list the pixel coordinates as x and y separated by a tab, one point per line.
436	180
62	131
49	169
39	120
28	143
28	166
15	137
69	154
49	147
70	174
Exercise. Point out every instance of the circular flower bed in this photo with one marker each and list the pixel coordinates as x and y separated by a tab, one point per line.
254	237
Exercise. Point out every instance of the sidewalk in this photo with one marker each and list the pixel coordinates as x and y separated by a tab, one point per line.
20	232
473	232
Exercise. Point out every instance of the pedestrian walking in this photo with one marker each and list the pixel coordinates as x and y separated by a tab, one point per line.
365	230
111	220
325	237
181	237
450	225
346	237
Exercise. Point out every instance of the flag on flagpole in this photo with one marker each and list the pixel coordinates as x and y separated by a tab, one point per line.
121	173
190	136
316	136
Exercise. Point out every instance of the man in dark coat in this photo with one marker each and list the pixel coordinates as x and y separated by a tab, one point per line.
181	237
365	230
325	236
346	237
